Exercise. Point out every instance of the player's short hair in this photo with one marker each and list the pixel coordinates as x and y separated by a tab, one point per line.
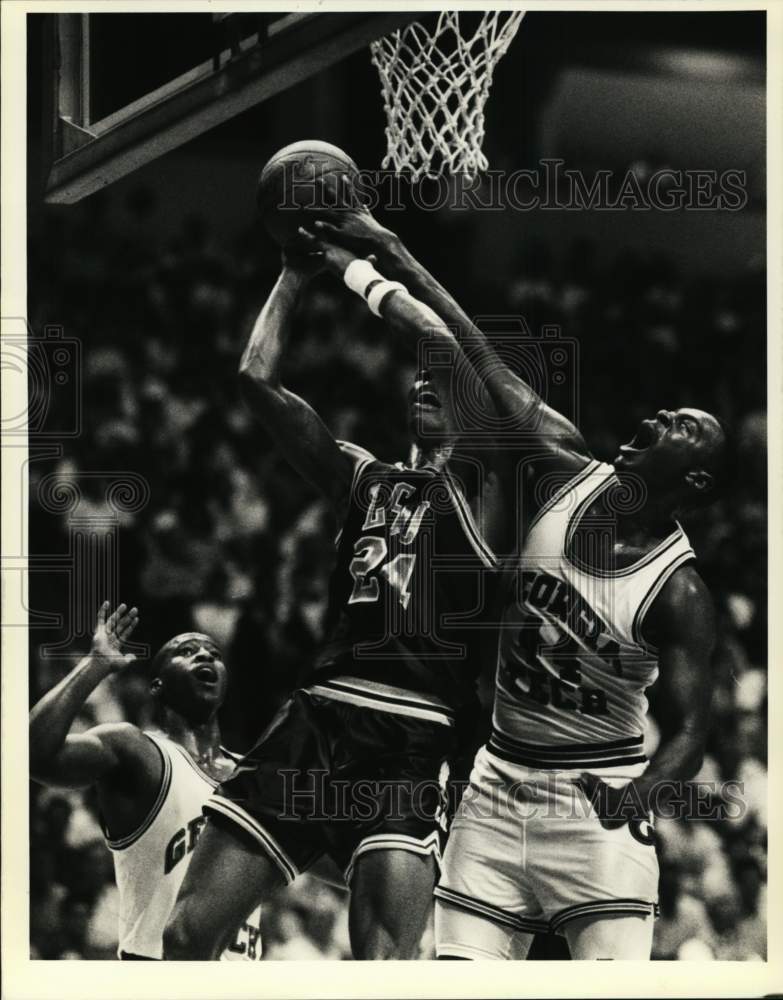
159	660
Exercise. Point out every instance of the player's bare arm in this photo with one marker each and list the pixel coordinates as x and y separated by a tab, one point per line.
681	623
403	314
547	430
117	758
480	468
297	430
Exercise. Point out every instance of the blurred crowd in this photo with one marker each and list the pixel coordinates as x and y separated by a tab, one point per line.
233	543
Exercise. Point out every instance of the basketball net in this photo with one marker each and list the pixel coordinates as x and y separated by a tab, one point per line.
434	85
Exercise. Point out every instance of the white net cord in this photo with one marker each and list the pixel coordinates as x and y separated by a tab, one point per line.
434	85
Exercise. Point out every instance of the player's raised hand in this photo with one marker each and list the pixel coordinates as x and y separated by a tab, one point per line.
111	631
335	258
354	226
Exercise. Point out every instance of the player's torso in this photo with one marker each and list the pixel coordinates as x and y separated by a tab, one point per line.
150	864
409	589
572	664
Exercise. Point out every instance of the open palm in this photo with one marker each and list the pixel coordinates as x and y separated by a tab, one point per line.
111	631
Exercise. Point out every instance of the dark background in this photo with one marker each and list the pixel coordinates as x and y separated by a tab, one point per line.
159	278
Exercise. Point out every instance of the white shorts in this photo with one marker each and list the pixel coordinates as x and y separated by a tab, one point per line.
526	854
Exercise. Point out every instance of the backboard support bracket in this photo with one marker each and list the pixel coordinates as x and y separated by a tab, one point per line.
105	151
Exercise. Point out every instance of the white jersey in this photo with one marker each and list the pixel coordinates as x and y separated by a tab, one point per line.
150	863
573	666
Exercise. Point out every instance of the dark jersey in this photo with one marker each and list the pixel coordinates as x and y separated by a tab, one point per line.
411	585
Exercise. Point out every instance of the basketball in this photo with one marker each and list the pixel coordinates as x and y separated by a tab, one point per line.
288	189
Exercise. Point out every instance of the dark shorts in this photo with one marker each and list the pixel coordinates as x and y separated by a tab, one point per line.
333	778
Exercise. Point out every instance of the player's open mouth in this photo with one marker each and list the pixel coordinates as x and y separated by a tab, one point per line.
427	398
646	436
206	674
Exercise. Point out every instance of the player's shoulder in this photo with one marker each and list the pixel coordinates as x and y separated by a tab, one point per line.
118	733
684	586
684	605
130	744
361	459
356	455
355	452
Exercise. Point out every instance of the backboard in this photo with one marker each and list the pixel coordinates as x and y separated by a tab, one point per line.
230	63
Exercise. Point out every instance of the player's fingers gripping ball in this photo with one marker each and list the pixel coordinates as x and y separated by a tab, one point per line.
299	182
333	257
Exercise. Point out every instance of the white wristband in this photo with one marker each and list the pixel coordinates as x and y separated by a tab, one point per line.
359	274
378	293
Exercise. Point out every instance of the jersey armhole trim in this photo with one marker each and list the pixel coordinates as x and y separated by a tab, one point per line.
465	515
675	538
121	843
641	612
358	470
361	458
592	466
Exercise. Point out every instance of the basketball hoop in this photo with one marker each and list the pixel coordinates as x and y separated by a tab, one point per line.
435	84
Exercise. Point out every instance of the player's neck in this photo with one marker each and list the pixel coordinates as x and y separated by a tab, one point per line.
202	740
655	519
436	455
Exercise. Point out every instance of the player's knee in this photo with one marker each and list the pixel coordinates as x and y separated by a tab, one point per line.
185	937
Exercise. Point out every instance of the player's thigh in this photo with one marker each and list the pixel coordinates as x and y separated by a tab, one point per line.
391	898
460	933
607	937
485	906
227	878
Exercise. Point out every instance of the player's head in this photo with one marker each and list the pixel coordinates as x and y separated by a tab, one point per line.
430	420
189	676
684	453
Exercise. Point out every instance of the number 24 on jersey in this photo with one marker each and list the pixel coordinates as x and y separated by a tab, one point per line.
370	551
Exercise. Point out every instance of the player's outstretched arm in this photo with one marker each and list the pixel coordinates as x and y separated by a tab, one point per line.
402	312
57	758
681	623
297	430
516	401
